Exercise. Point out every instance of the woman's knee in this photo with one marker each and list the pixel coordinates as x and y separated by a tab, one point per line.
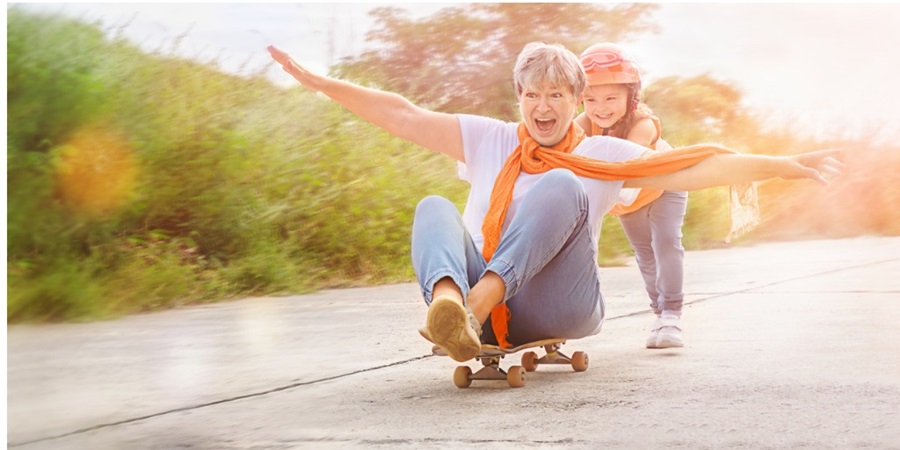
562	184
433	203
564	178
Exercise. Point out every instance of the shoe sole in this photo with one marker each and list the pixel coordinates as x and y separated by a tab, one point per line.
448	325
425	334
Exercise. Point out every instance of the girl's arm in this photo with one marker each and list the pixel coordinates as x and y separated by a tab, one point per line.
643	133
585	123
395	114
726	169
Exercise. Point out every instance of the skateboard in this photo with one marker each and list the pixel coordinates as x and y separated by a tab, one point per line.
491	355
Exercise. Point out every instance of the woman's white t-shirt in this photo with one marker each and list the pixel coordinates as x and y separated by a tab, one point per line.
487	143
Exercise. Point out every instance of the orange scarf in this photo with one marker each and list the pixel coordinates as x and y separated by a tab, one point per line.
532	158
647	195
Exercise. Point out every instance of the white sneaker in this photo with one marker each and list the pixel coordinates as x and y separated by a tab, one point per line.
651	340
666	333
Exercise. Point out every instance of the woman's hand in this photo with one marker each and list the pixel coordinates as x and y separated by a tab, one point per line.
305	77
818	165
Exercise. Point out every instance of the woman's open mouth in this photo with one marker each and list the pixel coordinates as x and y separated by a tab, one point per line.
544	125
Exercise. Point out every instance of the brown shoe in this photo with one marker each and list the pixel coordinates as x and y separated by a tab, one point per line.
425	334
453	328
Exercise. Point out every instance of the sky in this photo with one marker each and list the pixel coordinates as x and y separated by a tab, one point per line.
825	68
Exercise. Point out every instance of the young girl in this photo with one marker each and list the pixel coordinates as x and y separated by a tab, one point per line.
653	219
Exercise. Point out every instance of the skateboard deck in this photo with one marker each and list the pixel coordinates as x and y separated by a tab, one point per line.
491	355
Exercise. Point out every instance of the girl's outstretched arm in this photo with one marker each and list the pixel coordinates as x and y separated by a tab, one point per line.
395	114
726	169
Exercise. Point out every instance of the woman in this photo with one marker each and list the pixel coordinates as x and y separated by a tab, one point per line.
524	250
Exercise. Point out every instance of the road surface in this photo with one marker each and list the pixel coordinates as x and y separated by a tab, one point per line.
788	345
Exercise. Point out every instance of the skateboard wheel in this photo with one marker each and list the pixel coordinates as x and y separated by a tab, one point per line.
462	377
528	361
516	376
580	361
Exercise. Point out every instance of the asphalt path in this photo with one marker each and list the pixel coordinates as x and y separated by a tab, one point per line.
788	345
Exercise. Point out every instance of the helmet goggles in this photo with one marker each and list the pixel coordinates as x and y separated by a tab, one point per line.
607	64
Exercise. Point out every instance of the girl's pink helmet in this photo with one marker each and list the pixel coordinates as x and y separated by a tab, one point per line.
606	63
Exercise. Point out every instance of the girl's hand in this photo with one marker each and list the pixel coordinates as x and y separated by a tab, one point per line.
305	77
816	165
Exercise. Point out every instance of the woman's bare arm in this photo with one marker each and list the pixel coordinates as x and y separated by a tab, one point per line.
395	114
727	169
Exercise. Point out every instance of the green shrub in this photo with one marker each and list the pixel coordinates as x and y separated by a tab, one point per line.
240	186
64	291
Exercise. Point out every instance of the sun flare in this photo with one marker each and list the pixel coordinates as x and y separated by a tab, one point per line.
95	171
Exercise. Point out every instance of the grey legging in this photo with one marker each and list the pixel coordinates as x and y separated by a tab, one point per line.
655	235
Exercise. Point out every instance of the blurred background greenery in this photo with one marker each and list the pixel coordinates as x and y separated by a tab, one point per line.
139	180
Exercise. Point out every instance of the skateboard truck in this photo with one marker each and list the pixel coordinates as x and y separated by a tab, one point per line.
578	360
515	376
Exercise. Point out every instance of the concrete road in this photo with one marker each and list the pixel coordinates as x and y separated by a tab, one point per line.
788	345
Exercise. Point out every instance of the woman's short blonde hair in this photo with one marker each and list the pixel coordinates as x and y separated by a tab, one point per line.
540	63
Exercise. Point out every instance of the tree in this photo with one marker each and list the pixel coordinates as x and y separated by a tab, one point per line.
698	109
461	58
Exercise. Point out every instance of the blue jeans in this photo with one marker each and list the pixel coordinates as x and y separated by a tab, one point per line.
654	232
545	258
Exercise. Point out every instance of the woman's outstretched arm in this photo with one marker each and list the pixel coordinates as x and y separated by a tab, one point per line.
395	114
727	169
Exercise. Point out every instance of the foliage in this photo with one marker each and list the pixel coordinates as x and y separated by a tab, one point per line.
460	59
703	109
239	186
861	201
697	110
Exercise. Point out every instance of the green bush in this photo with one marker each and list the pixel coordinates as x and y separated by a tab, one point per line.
60	292
240	187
